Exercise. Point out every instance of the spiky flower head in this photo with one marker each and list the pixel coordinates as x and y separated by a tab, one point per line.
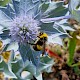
24	28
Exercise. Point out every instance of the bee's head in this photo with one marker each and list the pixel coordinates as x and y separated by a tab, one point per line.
43	36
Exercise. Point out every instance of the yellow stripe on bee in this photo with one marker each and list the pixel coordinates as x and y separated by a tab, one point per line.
39	47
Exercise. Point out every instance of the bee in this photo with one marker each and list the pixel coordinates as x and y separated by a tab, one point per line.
40	43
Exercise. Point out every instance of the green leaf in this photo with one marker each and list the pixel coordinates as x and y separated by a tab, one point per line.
31	68
18	67
48	27
56	10
7	70
46	60
1	63
4	2
44	6
33	71
72	46
45	64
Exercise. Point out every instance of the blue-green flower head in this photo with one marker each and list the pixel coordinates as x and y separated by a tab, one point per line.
24	28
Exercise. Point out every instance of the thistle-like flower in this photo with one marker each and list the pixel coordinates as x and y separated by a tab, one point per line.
24	28
28	18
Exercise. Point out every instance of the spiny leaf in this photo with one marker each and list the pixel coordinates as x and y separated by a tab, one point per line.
28	54
28	6
23	51
53	9
18	67
7	70
8	11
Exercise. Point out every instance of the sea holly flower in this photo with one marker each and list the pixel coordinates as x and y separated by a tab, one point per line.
24	28
20	23
26	18
23	23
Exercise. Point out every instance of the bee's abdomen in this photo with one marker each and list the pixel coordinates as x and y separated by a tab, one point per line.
37	48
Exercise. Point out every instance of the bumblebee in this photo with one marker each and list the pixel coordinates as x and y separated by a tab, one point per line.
40	42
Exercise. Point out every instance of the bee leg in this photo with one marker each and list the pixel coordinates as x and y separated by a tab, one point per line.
43	53
31	43
43	48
